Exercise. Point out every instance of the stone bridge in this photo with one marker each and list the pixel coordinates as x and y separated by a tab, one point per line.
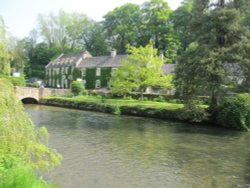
33	95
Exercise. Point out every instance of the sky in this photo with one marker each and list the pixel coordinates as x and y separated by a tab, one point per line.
20	15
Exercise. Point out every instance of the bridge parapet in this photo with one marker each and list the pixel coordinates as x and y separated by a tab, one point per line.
39	93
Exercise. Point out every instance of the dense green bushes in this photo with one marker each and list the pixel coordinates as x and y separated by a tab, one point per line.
22	148
234	112
77	88
16	81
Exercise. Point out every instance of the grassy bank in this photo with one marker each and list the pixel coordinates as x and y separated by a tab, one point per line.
162	110
23	149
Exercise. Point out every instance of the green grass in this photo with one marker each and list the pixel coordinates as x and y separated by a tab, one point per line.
123	102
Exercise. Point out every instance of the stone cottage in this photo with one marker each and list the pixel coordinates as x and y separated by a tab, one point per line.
94	72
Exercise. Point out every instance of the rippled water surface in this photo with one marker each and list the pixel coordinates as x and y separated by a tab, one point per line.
108	151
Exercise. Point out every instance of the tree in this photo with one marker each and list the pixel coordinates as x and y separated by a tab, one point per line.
142	69
4	54
64	30
181	19
17	55
122	26
219	39
157	26
95	41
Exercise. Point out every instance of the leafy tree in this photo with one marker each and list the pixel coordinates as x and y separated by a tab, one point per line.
157	26
142	69
95	41
122	26
17	55
64	30
4	55
219	40
181	19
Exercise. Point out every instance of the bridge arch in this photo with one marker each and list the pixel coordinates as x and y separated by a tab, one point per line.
29	100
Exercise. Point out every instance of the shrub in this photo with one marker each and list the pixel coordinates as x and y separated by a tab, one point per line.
234	112
159	99
32	85
16	81
77	88
195	114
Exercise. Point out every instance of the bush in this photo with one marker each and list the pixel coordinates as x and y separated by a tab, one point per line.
159	99
32	85
16	81
22	176
77	88
234	112
195	114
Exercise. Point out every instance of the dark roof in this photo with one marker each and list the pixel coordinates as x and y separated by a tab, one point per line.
168	68
102	61
65	60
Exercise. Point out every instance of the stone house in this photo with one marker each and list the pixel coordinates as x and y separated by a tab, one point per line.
94	72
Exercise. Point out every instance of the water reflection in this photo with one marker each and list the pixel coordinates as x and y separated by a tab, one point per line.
103	150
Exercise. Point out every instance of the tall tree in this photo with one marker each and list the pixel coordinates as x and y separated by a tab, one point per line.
220	40
157	26
64	30
95	41
181	19
4	54
142	69
122	26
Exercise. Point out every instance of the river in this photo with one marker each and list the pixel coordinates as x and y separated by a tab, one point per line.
108	151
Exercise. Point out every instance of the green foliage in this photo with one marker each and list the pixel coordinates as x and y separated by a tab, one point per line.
4	54
202	67
142	69
22	176
105	76
194	114
234	112
122	25
77	88
76	73
16	81
90	78
20	142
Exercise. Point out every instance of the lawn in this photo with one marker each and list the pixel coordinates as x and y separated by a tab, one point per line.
123	102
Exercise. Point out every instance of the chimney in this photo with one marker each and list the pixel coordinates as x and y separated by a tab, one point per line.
161	56
113	52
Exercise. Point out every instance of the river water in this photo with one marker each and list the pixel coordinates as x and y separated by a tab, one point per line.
108	151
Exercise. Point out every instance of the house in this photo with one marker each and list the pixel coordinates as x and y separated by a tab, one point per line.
94	72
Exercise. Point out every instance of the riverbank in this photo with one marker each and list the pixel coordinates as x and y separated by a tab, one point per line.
160	110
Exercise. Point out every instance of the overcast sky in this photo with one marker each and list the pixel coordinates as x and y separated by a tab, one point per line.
20	15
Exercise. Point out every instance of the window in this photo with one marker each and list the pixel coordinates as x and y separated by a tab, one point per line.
98	71
98	84
83	72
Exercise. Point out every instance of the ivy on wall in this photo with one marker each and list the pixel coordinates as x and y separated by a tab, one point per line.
90	78
105	76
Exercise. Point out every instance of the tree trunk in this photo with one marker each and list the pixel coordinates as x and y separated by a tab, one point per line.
141	92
